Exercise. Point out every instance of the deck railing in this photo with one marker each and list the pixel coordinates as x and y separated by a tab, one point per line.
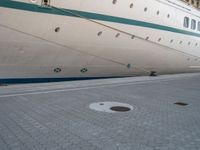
195	3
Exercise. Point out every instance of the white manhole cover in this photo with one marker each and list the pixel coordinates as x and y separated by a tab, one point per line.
111	107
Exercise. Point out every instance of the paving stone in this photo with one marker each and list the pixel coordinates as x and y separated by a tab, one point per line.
56	116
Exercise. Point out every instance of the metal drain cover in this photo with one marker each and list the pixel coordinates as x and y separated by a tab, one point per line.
181	104
120	108
111	107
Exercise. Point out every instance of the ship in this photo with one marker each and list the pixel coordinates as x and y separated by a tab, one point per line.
62	40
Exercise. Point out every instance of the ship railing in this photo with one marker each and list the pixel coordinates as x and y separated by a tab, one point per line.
194	3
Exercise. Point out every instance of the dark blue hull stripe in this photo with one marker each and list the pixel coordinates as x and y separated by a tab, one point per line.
43	80
89	15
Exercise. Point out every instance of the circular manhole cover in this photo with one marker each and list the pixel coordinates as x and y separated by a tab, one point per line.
111	107
120	108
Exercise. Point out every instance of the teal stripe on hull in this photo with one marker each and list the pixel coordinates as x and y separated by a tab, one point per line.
43	80
89	15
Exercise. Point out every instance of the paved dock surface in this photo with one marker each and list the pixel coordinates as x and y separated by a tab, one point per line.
56	116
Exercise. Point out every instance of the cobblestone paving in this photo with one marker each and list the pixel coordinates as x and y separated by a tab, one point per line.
56	116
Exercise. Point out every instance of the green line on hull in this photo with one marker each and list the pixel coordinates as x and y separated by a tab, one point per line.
89	15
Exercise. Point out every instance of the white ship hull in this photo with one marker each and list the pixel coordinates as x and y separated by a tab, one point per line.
54	43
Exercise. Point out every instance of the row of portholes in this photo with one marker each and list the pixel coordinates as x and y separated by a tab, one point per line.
145	9
172	41
58	70
159	40
147	38
157	13
196	59
100	33
117	35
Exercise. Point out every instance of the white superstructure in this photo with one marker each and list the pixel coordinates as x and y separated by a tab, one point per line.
44	40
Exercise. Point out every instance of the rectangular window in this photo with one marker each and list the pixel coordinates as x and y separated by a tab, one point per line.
199	26
193	24
186	22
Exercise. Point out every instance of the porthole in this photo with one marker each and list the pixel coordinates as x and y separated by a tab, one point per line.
189	43
114	1
57	70
145	9
117	35
159	39
180	42
196	44
57	29
128	66
171	41
158	12
168	16
83	70
100	33
131	5
133	36
147	37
